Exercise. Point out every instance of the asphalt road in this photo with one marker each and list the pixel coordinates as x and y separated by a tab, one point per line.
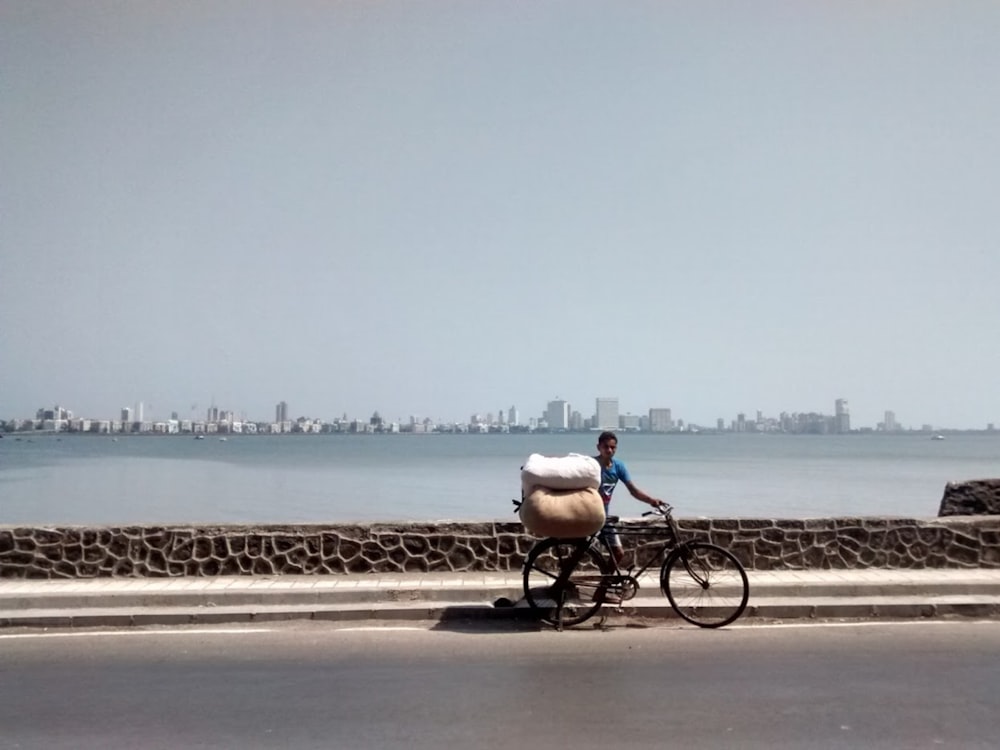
302	685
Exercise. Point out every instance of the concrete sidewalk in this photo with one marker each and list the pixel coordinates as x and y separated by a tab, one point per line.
774	595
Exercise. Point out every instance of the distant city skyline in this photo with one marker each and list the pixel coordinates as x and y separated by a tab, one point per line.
557	414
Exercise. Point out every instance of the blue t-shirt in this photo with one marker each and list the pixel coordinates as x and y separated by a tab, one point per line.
610	476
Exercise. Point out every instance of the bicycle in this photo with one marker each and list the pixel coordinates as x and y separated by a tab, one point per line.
566	581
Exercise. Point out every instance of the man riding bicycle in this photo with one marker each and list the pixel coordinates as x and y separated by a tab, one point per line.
613	471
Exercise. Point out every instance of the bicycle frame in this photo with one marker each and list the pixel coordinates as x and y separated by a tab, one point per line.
670	541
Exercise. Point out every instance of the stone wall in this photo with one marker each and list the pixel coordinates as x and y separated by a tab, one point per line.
151	551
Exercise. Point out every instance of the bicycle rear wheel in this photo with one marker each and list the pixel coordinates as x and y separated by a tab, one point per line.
706	585
584	590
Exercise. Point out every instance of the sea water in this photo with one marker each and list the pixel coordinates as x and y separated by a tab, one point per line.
85	479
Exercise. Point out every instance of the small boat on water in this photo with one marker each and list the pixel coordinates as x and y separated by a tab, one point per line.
937	437
199	437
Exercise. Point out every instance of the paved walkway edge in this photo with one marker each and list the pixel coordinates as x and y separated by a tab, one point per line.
777	595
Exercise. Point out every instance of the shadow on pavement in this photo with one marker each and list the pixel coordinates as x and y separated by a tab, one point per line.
507	616
504	616
462	623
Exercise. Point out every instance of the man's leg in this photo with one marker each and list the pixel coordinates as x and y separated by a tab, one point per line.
619	554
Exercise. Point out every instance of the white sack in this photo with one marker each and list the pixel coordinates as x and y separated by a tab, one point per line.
572	472
562	513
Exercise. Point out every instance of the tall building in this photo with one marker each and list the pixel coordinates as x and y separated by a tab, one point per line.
889	425
660	420
629	422
127	415
557	415
281	412
842	418
513	418
139	412
606	417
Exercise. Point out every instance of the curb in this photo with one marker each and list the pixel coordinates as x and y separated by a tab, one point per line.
481	594
777	608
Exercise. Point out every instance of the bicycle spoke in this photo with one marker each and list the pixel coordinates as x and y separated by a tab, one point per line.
706	585
563	596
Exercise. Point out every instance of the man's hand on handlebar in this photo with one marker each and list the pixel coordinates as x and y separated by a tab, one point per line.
660	508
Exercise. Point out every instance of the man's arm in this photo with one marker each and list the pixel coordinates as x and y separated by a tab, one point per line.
640	495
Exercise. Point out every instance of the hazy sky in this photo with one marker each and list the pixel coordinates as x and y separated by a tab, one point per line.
444	208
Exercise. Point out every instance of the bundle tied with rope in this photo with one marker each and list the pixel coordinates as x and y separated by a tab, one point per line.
560	496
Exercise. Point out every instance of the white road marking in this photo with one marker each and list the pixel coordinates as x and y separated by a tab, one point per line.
859	624
377	629
119	633
201	631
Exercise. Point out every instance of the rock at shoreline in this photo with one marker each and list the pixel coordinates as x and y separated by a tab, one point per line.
977	497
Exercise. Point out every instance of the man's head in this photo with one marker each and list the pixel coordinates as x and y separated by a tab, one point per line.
607	444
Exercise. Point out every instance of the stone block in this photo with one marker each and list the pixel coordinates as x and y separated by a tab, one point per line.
722	538
790	524
725	524
755	523
818	524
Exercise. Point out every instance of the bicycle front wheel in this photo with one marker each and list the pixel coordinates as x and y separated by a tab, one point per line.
706	585
574	598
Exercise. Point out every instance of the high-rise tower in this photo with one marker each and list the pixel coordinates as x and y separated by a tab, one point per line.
557	415
607	414
660	420
842	420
